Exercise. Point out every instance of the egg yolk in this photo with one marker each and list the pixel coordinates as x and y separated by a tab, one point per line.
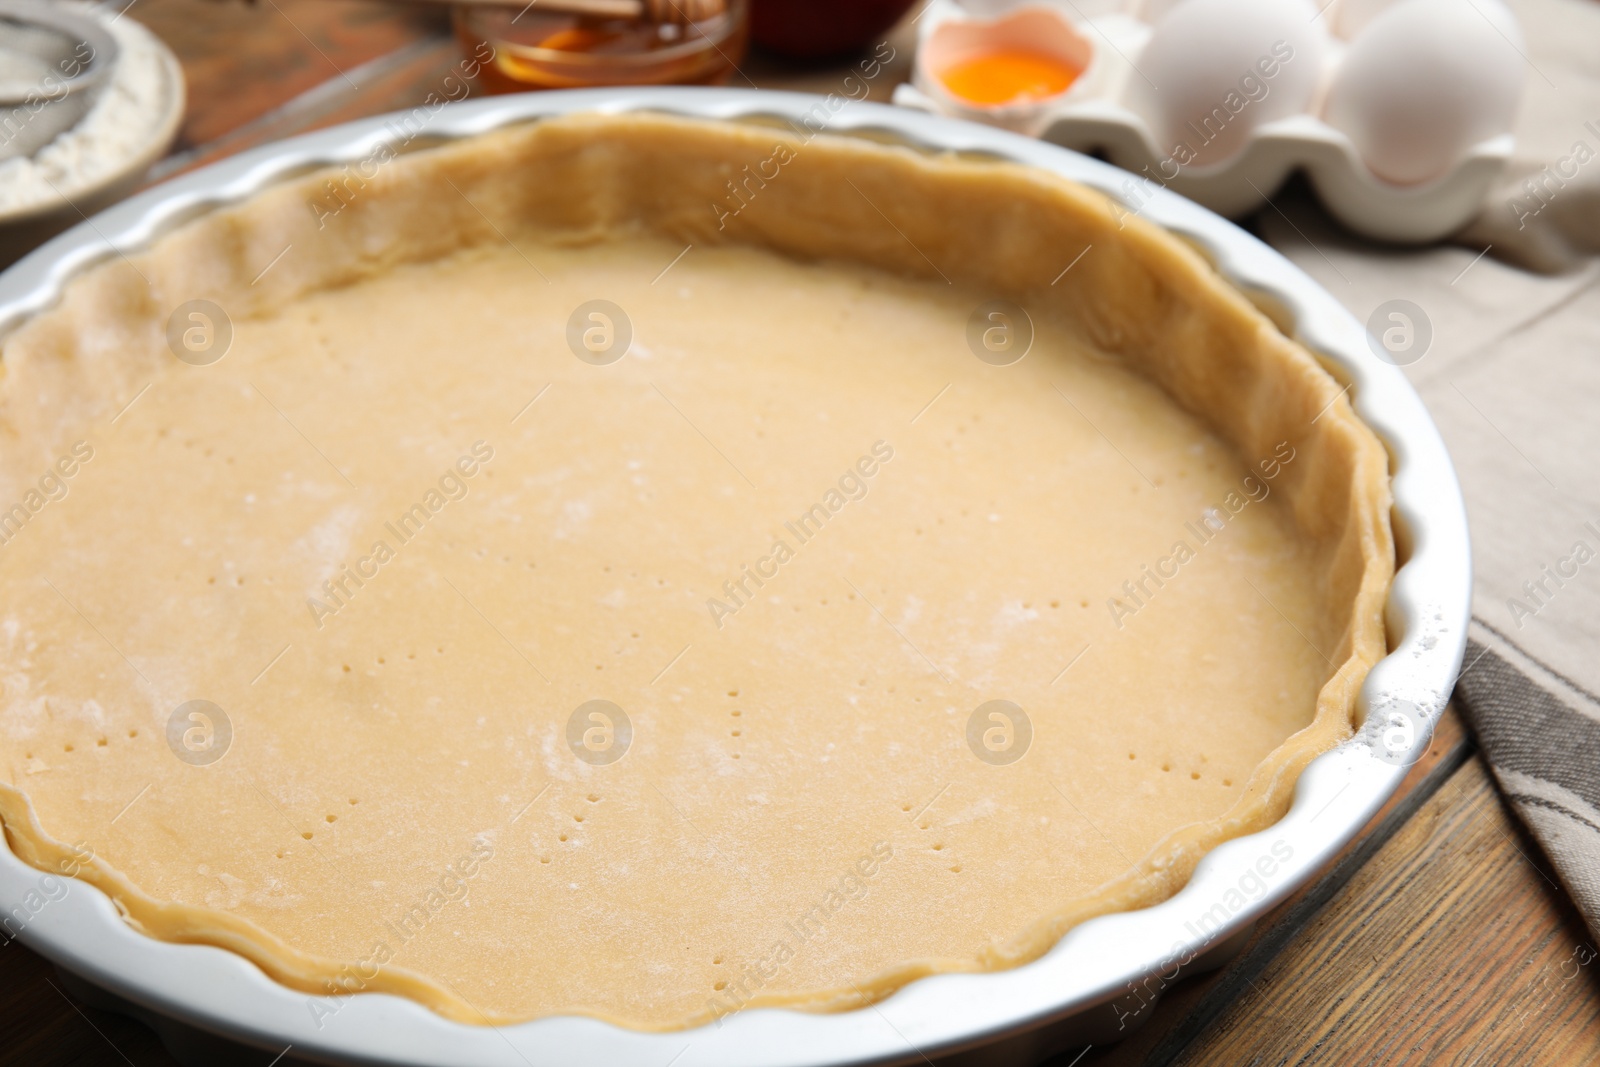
1008	76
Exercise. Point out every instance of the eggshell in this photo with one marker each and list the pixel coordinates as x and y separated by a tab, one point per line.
1214	70
1424	82
1153	11
1028	29
1350	17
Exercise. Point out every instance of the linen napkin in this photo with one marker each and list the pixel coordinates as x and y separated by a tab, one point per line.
1544	213
1512	379
1532	673
1541	731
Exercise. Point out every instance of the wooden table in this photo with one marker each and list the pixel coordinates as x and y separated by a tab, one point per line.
1439	936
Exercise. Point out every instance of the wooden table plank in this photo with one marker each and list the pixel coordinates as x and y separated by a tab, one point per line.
42	1026
1454	945
401	80
243	61
222	120
1190	1006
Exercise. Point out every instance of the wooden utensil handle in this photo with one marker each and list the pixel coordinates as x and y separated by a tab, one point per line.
678	11
609	9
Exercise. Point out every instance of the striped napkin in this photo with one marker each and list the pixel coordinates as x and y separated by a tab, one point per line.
1544	213
1540	730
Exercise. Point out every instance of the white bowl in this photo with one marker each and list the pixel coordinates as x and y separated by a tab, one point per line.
27	224
1084	988
77	54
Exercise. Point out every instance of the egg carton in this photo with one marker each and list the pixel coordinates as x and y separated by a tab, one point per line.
1107	111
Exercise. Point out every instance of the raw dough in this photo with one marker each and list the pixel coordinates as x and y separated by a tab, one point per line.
507	532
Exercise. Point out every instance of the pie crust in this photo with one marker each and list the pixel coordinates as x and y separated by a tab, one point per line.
804	813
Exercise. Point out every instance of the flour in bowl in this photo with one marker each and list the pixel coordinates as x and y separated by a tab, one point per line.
129	114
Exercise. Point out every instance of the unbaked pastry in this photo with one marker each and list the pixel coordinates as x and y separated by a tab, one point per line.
417	518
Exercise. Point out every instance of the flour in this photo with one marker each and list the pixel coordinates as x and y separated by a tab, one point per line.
129	112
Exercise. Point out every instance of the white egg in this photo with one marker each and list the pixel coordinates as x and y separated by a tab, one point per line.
1153	11
1350	17
1424	82
1214	70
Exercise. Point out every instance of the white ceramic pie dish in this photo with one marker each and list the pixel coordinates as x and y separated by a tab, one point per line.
1091	986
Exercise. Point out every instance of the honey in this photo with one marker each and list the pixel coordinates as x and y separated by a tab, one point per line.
541	49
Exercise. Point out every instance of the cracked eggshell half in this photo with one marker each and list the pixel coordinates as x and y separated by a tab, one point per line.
1031	31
